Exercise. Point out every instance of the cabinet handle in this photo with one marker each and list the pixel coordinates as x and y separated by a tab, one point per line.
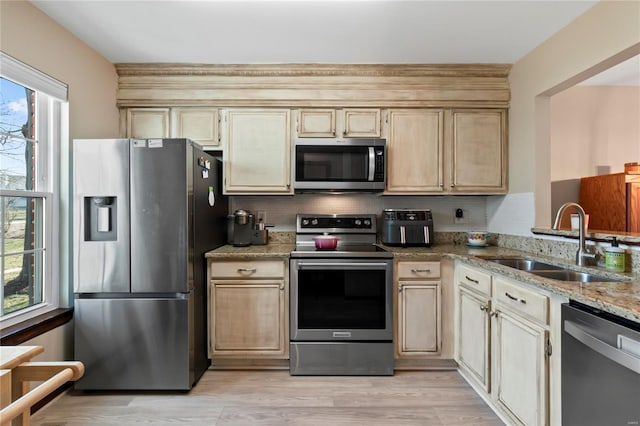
417	271
281	286
344	133
400	289
515	299
250	270
484	308
494	314
472	280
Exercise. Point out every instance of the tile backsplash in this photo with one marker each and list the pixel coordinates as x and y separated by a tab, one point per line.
281	210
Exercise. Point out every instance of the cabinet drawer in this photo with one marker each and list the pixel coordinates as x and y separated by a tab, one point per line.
248	269
418	270
522	300
474	279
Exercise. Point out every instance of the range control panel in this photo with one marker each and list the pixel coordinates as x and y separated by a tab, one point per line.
336	223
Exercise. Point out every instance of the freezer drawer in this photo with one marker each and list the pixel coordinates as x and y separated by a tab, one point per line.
134	343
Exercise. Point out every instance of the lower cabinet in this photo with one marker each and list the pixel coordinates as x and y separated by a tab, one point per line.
503	343
474	336
418	317
520	368
248	310
422	313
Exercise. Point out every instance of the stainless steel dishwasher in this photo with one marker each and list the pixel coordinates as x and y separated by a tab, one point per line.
600	368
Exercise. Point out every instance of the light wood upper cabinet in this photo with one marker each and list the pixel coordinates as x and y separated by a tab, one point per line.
361	122
478	151
415	151
436	151
145	123
198	124
316	123
347	123
257	151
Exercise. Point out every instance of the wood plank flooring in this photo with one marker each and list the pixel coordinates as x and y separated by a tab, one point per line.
223	398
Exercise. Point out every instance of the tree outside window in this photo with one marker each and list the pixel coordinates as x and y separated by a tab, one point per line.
21	213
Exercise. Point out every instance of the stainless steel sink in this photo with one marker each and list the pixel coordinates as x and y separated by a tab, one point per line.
547	270
567	275
525	264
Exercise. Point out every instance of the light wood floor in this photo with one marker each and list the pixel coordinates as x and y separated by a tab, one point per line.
276	398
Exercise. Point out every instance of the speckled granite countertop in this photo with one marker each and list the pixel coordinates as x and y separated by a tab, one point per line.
619	298
251	252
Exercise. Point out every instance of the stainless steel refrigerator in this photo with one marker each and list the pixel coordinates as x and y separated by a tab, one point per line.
144	214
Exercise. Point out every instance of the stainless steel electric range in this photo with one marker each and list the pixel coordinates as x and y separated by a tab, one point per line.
341	300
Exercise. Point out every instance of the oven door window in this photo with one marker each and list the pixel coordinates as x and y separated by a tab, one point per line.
332	164
341	299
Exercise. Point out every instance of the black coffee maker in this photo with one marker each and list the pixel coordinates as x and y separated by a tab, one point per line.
240	227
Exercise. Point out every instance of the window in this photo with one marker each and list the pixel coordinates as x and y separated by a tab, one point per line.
33	121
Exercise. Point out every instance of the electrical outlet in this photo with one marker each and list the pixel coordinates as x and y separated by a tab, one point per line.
459	216
261	217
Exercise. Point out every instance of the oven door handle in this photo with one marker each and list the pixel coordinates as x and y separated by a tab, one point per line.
614	354
328	265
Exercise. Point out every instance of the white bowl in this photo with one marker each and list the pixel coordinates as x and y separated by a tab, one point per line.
477	238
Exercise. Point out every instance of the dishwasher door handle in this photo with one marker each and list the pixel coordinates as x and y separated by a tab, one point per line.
614	354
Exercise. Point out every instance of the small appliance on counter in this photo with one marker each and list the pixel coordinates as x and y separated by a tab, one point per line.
407	227
243	231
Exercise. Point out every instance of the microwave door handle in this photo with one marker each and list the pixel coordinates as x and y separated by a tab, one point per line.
372	164
425	229
403	235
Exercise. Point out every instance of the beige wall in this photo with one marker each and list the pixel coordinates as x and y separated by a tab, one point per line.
606	34
594	127
32	37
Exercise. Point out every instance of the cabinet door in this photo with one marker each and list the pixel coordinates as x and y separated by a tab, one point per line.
247	319
145	123
418	318
198	124
258	152
520	369
361	123
473	336
317	123
478	151
415	151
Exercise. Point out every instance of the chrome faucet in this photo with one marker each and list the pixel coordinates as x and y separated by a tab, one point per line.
583	256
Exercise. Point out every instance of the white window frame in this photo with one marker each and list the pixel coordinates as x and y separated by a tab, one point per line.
52	126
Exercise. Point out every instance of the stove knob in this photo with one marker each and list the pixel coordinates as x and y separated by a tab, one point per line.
358	222
314	221
367	222
305	221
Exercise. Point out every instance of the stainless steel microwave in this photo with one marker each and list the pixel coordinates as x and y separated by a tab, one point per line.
327	164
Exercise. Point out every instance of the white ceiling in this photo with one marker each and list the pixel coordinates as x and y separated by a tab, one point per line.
338	31
329	31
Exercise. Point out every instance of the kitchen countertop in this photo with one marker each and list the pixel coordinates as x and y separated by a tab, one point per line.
619	298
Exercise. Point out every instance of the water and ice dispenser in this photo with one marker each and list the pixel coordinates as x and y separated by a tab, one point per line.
100	215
